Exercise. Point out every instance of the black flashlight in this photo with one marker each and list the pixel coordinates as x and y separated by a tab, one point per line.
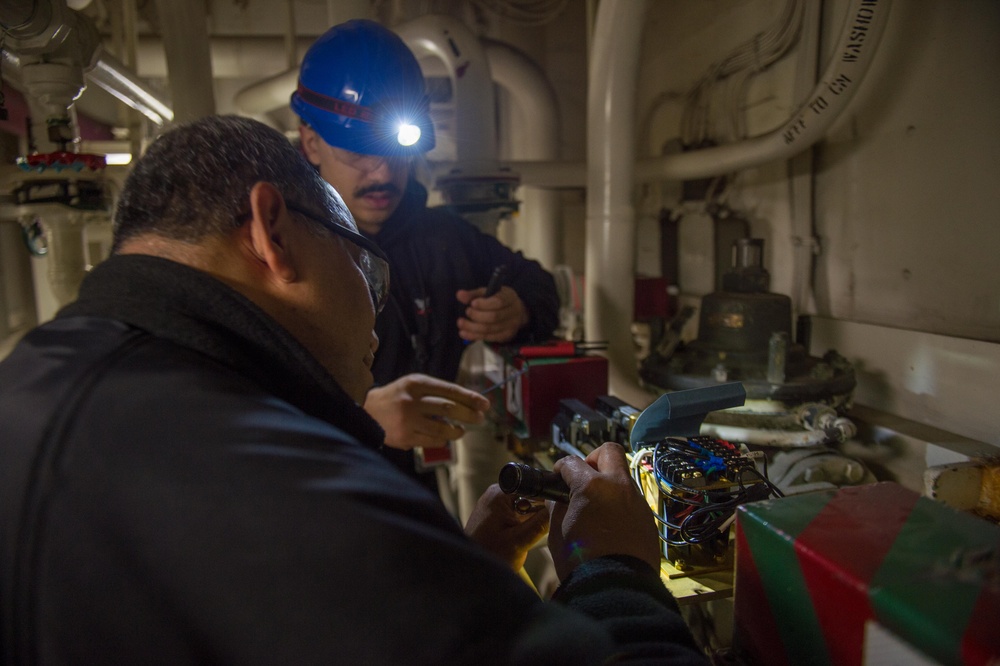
527	481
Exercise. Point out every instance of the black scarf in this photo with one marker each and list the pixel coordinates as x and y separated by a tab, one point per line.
186	306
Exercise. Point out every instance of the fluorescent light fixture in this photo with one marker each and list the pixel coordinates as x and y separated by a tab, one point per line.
111	75
118	159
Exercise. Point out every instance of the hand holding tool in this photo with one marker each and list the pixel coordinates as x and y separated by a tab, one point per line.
496	280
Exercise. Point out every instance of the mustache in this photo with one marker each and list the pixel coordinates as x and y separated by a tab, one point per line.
388	188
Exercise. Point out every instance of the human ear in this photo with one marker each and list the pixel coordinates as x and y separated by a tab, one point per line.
270	229
310	144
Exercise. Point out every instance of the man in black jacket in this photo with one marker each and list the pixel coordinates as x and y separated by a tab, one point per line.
365	119
186	475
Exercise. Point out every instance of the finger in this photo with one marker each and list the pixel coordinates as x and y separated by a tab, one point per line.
533	526
498	301
452	411
486	323
505	300
489	332
609	457
438	430
471	329
574	471
419	385
481	316
448	393
466	296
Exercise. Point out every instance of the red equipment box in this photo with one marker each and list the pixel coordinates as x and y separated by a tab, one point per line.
532	396
829	577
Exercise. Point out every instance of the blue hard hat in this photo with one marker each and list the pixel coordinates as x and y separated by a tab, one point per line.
362	90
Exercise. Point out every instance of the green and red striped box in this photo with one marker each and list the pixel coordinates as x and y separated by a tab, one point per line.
813	570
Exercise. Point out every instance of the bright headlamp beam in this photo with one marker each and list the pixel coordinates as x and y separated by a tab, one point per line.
408	134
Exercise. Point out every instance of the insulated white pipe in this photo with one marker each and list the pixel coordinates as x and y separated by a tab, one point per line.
536	136
185	40
610	253
866	19
463	55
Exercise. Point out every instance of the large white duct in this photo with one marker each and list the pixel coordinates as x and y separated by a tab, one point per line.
536	136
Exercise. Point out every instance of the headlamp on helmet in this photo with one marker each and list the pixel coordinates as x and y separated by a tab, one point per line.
361	89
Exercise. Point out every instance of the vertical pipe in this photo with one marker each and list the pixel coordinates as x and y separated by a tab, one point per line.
611	228
189	63
536	137
800	172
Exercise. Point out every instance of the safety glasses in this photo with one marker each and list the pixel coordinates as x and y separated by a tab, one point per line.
372	261
368	163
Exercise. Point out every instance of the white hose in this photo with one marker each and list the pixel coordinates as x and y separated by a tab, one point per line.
866	20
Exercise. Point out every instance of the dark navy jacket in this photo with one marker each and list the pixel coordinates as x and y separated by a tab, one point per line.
432	254
180	482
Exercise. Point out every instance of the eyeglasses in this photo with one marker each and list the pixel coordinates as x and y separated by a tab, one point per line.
372	260
368	163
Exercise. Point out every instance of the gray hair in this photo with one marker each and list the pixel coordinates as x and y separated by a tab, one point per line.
195	181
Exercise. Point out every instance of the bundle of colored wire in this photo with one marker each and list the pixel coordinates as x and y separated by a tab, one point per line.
700	482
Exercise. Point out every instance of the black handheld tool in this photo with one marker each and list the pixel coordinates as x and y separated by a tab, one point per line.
527	481
496	280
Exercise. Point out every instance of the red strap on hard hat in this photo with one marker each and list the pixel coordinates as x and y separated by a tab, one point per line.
334	105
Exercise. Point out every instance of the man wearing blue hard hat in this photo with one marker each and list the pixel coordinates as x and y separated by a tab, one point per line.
365	119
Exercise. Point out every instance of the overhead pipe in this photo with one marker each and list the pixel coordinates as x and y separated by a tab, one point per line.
536	136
